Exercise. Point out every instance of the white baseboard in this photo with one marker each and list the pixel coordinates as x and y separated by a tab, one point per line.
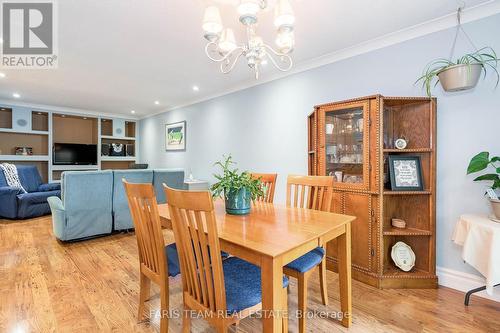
464	282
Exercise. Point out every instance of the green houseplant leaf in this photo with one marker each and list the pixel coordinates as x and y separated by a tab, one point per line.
478	162
482	161
232	180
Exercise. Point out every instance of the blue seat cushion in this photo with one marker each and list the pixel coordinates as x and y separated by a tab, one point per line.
308	261
243	286
172	260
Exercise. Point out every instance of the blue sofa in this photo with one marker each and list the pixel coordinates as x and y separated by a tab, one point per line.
17	205
94	203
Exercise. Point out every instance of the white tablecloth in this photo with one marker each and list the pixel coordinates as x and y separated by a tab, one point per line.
480	238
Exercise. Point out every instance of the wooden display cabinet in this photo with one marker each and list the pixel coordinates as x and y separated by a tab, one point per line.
350	141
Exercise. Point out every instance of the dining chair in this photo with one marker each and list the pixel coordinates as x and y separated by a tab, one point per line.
311	192
156	261
268	185
222	291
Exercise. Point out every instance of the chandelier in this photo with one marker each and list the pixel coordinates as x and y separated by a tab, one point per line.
222	47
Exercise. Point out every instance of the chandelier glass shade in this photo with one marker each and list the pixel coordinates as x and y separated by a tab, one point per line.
223	48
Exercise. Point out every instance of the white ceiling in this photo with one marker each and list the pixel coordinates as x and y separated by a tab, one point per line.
119	55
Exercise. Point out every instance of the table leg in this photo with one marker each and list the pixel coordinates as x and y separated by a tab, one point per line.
476	290
272	294
344	252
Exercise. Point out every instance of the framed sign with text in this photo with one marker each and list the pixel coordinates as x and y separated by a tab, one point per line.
406	173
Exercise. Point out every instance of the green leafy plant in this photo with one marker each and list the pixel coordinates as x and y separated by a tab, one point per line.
485	57
232	180
480	162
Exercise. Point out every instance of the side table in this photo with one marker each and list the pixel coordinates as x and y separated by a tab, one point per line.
480	238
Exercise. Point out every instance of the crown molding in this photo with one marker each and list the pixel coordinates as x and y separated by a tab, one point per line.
65	110
471	14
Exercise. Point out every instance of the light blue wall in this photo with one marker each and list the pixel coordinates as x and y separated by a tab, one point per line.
265	127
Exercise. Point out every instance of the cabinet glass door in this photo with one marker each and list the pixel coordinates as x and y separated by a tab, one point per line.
344	145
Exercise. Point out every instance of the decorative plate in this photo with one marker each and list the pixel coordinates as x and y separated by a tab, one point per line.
403	256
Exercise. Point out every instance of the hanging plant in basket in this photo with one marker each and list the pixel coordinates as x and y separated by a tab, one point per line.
462	73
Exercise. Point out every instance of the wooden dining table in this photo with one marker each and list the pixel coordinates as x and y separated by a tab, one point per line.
273	235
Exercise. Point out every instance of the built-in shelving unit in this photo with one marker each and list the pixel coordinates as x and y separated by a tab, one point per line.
110	137
118	158
40	129
24	158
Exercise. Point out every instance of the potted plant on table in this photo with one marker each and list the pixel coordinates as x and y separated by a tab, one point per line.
238	188
461	74
481	162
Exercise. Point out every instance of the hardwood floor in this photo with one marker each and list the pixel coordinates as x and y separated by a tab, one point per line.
93	286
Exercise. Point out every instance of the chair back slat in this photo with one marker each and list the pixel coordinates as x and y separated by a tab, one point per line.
195	231
312	192
268	185
146	218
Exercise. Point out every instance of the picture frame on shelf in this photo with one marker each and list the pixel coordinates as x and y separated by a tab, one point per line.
175	136
405	173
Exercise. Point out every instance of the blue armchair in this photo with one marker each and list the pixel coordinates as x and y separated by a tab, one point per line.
17	205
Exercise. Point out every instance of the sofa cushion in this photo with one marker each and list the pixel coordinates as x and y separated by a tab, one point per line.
36	197
49	187
29	177
121	213
34	204
174	178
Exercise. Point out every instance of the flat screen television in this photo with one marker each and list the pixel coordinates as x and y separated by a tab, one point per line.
74	154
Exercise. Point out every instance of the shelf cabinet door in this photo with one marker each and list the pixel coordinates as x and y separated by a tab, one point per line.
359	205
343	151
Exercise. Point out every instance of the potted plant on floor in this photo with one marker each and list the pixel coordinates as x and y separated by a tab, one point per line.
481	162
238	189
461	74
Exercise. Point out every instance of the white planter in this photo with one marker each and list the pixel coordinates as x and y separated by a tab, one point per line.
460	77
495	206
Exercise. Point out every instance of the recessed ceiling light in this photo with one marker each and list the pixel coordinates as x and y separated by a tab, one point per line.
3	109
39	113
16	95
2	75
84	118
63	115
132	111
196	88
157	102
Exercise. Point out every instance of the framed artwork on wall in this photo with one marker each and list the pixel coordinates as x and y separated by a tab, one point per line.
175	136
406	173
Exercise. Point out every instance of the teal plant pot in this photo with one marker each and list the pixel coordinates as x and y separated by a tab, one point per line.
238	202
